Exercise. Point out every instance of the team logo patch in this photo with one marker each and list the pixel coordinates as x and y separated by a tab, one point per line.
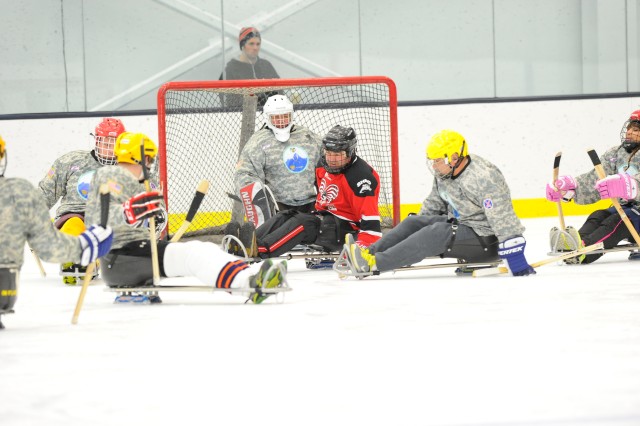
364	185
295	159
328	193
487	203
52	171
84	184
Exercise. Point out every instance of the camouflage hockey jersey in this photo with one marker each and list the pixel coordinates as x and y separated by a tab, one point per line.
122	186
288	168
614	160
69	178
25	217
479	198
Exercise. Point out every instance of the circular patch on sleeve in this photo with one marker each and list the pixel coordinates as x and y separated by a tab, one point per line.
295	159
84	184
487	203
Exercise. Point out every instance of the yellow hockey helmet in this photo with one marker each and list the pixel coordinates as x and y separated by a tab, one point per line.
128	144
3	157
2	148
446	143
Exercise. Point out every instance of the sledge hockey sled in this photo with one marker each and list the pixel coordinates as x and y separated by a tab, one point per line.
345	268
634	251
314	256
564	255
150	294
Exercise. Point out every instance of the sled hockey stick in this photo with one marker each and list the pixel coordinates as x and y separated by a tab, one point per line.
104	217
556	172
43	274
601	175
201	191
155	265
503	270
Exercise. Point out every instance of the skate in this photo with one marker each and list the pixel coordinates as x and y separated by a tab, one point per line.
231	241
72	273
270	275
566	240
360	258
247	235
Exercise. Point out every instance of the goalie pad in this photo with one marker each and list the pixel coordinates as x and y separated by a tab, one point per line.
259	205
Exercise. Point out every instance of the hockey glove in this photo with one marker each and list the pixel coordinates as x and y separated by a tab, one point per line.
512	252
617	186
562	189
95	242
142	206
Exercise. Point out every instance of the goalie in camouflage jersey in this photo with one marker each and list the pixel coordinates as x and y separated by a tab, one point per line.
129	262
24	217
68	180
282	156
468	215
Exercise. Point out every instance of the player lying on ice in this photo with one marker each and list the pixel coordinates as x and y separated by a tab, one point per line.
128	264
68	182
621	164
468	215
346	203
25	217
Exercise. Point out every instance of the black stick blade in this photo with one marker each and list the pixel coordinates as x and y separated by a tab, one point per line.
594	157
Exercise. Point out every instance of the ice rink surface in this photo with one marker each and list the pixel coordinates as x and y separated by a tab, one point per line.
411	348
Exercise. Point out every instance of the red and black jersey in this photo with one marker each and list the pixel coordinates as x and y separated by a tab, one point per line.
352	196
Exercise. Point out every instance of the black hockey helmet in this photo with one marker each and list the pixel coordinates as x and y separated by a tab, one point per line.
339	139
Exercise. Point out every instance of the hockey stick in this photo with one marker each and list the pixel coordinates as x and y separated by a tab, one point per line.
104	217
556	172
601	175
43	274
201	191
155	265
567	255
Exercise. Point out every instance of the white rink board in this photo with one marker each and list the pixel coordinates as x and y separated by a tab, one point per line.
520	137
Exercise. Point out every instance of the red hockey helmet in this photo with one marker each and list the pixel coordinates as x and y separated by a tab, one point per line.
107	131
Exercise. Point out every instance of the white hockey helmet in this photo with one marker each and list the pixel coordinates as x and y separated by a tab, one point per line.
279	114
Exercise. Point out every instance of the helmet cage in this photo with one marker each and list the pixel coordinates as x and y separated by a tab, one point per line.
104	150
628	143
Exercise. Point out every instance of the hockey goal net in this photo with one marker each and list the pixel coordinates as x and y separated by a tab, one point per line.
203	125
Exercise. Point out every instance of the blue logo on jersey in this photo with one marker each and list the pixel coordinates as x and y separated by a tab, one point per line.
295	159
84	184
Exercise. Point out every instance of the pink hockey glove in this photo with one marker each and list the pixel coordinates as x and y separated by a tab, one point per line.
562	189
617	186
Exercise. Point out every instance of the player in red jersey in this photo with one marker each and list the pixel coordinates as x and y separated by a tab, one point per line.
347	202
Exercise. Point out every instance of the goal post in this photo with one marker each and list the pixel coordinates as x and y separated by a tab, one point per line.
203	125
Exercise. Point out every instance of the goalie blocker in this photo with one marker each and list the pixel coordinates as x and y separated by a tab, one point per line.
258	202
